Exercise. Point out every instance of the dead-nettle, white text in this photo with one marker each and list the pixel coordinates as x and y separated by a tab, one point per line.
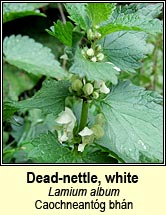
81	177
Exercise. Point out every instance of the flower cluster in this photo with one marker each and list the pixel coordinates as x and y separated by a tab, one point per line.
93	34
89	90
66	122
88	135
93	54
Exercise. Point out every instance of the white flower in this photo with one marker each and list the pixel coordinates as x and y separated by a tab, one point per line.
85	132
90	52
67	121
93	59
88	89
87	138
102	87
100	56
81	147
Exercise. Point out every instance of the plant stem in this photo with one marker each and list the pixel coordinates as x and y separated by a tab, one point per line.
84	114
61	12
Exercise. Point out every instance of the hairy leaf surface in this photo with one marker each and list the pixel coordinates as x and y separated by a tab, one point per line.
24	53
47	149
13	11
94	71
78	14
99	12
50	99
134	123
140	19
62	31
125	49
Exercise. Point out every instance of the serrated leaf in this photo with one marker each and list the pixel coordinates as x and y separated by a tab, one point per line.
62	31
47	149
146	9
125	49
134	123
99	12
13	11
78	14
132	22
93	71
24	53
50	98
16	81
134	18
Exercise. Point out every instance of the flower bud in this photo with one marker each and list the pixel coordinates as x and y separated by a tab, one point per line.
90	34
97	35
90	52
93	59
100	57
95	95
97	26
83	53
88	89
85	132
102	86
76	85
104	89
100	119
98	48
98	131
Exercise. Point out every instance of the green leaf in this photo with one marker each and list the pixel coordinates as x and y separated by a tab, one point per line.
16	81
141	18
125	49
9	108
62	31
146	9
99	12
13	11
24	53
134	123
50	99
93	71
138	23
92	155
78	14
47	149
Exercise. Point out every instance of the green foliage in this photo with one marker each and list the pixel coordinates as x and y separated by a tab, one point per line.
47	149
93	71
78	14
9	108
88	93
54	93
134	118
99	12
13	11
125	49
24	53
62	31
16	82
137	20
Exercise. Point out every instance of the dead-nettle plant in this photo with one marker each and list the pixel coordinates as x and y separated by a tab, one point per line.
95	118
